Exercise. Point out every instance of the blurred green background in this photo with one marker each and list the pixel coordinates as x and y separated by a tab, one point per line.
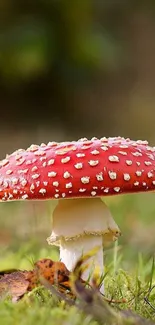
70	69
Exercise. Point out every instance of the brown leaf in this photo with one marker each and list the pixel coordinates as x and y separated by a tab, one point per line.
14	285
53	272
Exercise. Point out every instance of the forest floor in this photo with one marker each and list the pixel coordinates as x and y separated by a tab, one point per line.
129	266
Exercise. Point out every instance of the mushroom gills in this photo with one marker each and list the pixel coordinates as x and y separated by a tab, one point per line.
79	225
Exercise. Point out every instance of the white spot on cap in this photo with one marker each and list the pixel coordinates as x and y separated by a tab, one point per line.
78	165
123	146
17	157
136	154
9	171
33	148
55	184
20	162
82	140
151	156
38	183
149	174
142	142
94	139
99	176
85	180
5	184
79	155
40	153
126	177
138	163
15	191
50	162
93	163
62	151
65	160
34	168
144	184
93	193
136	183
52	174
44	164
95	152
45	183
147	163
81	190
14	181
25	196
56	196
42	191
129	162
35	176
113	158
106	190
63	194
117	189
153	182
23	182
28	162
43	158
104	148
32	187
138	173
112	175
23	171
73	148
124	153
52	144
69	185
66	175
103	139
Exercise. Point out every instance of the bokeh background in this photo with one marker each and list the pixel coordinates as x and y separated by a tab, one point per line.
71	69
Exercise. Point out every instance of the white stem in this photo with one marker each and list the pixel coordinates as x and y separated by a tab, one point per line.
71	251
78	226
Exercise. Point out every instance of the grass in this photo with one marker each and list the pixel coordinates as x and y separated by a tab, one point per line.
129	263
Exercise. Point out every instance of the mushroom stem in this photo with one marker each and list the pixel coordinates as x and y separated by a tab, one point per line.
71	251
78	226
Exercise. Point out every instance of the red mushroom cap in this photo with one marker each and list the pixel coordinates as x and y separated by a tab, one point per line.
78	169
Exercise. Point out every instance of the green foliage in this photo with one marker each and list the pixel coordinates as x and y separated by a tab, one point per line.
37	38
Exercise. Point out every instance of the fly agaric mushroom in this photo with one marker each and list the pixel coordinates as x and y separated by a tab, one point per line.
77	174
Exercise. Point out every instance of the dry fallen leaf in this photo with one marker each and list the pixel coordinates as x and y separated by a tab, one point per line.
54	272
13	284
16	283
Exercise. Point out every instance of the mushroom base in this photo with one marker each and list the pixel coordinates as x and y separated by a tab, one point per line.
78	226
71	251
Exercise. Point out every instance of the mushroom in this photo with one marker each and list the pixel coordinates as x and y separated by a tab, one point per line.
78	174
